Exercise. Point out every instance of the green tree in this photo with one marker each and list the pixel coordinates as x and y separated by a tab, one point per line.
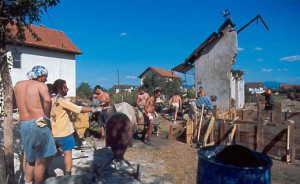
19	14
168	86
84	90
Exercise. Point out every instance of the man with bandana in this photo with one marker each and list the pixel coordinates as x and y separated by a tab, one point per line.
34	105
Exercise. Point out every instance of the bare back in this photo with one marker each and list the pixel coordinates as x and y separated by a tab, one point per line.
33	99
176	99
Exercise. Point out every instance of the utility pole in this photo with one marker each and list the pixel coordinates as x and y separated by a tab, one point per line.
121	91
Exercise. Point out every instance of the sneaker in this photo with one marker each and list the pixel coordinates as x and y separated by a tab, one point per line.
174	122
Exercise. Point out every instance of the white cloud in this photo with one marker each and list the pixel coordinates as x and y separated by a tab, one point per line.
123	34
290	58
130	77
258	48
240	49
266	70
259	60
282	69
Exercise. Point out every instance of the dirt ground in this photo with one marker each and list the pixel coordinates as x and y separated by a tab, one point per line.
179	161
169	161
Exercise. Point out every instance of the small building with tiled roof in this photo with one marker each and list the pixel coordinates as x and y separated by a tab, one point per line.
160	72
123	88
53	49
254	84
255	87
289	86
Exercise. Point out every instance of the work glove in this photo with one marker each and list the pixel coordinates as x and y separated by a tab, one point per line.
42	121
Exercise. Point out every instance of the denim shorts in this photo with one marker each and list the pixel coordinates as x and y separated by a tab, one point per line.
37	142
65	143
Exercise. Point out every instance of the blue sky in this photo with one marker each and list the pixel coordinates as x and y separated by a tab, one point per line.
130	35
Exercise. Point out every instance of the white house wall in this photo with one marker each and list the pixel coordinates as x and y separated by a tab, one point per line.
60	65
240	94
213	68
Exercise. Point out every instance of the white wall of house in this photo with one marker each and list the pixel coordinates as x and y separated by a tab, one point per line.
213	68
240	94
60	65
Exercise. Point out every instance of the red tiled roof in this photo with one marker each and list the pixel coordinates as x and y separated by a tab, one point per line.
289	86
50	39
163	72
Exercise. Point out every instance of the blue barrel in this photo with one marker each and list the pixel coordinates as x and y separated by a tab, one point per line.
212	170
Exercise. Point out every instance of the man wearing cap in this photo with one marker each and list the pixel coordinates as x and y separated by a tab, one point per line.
104	102
34	105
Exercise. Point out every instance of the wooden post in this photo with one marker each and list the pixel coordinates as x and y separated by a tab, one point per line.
215	111
222	131
245	115
258	107
170	134
277	113
290	149
259	135
189	130
199	128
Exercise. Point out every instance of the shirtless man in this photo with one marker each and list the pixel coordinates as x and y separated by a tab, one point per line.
141	101
149	113
34	104
175	102
104	102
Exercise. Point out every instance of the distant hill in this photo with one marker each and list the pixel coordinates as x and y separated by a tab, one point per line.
272	84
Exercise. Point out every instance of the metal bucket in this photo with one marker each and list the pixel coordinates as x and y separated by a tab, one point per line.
212	170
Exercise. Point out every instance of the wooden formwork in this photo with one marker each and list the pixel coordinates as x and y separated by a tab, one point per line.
267	132
272	139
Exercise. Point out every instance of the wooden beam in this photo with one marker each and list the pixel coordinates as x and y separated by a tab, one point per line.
189	130
290	157
170	134
277	113
231	135
259	135
211	124
199	127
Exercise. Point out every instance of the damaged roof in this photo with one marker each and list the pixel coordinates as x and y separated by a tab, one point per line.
189	62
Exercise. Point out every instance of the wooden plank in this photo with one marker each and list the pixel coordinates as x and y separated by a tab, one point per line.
222	132
247	128
290	155
211	123
189	131
199	127
274	130
231	135
259	135
277	113
170	134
